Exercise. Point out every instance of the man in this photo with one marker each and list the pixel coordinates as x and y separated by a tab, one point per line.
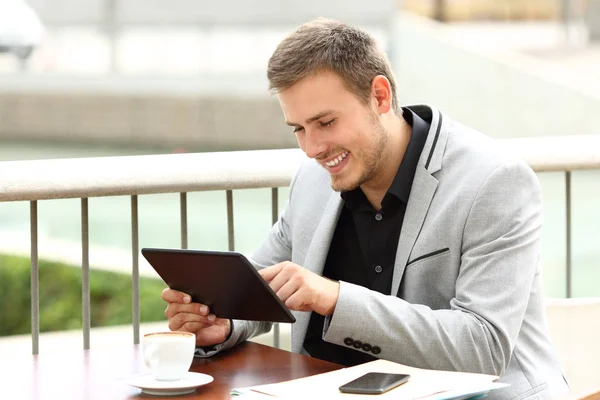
411	238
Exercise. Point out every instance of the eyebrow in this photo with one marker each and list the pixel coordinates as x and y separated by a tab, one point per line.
312	119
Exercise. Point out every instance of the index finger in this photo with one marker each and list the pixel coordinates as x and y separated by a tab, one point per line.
271	272
175	296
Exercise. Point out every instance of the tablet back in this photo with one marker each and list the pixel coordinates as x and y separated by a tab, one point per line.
225	281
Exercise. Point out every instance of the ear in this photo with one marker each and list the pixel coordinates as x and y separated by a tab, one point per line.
382	93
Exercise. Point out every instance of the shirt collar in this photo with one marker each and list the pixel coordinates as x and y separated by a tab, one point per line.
403	180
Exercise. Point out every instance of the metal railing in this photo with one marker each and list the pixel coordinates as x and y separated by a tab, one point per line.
183	173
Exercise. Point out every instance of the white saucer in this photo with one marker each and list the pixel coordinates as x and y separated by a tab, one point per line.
188	384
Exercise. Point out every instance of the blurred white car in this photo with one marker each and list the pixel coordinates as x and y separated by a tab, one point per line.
21	29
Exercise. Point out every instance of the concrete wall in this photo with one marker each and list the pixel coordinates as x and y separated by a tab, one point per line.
504	95
200	122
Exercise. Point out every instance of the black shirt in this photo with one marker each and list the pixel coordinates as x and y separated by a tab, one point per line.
363	247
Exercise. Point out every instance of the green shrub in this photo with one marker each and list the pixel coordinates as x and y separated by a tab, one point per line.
60	297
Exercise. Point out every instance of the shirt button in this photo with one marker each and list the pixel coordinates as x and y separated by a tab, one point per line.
378	269
378	217
375	350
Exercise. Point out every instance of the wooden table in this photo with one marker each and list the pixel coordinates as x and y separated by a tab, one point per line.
102	373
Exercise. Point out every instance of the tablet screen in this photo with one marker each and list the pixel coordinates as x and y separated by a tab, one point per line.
225	281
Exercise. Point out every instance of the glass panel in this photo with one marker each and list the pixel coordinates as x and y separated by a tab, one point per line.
553	233
586	233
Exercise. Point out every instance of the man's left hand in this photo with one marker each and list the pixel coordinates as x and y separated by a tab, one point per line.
301	289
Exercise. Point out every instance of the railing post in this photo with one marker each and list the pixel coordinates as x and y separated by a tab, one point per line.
568	233
85	274
274	218
135	270
230	227
35	280
183	217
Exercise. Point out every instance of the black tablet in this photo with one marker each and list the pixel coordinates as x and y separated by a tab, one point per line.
225	281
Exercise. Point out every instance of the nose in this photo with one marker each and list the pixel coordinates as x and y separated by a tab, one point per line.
314	145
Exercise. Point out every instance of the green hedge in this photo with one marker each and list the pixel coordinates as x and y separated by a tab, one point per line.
60	297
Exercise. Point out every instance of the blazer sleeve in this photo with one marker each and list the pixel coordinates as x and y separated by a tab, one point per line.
499	257
276	248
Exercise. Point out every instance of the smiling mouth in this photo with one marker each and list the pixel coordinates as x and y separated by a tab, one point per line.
336	161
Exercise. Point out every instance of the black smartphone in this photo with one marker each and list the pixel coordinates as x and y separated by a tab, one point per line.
374	383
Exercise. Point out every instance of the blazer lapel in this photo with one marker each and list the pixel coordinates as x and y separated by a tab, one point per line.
315	259
422	191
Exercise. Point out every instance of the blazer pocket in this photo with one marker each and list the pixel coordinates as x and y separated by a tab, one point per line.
430	279
429	255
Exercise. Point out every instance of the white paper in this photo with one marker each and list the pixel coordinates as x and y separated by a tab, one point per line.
423	384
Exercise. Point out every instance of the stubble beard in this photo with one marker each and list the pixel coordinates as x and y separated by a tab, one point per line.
372	158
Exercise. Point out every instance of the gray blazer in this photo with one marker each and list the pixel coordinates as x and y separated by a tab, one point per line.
466	290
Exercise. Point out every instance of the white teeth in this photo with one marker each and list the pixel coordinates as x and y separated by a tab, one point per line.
337	160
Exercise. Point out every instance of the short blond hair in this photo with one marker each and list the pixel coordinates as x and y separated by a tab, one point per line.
328	45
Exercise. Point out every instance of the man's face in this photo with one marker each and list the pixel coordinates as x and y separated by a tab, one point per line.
335	128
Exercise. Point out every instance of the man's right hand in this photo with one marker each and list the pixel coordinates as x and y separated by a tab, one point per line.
184	315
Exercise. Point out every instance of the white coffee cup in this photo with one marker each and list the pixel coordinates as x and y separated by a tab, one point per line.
169	355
